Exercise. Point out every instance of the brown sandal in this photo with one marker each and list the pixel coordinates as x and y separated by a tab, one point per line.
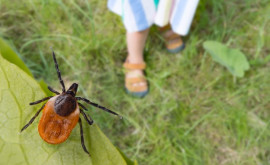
136	86
174	42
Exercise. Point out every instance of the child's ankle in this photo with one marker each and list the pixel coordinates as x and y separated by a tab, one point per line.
134	60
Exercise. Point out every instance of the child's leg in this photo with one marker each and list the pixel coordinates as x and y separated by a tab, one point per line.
135	44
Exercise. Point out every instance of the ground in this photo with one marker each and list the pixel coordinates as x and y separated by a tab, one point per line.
196	112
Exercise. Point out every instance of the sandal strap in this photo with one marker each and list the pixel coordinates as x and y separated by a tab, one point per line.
134	80
134	66
171	36
174	43
137	88
168	33
165	28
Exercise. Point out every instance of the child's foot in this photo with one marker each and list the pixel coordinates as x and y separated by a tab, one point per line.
173	41
135	81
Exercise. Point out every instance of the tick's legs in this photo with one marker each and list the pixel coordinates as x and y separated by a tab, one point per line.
89	120
39	101
98	106
82	106
33	118
87	117
59	73
82	139
52	90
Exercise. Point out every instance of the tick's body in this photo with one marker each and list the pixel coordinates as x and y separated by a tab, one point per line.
61	113
54	128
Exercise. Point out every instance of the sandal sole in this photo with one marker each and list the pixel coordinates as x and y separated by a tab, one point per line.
176	50
137	94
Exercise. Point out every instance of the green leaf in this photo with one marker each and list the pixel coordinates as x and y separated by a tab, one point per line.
12	57
233	59
17	90
101	149
44	87
128	161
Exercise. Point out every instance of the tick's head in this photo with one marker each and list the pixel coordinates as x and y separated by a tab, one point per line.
72	89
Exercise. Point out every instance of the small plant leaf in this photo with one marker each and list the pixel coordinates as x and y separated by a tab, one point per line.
233	59
17	90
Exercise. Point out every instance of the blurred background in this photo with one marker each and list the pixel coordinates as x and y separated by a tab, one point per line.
197	112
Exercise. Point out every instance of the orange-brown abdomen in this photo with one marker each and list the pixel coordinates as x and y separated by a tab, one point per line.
53	128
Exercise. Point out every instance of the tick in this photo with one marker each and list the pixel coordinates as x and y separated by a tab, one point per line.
62	112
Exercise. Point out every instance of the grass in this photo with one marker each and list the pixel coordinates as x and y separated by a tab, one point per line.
195	112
